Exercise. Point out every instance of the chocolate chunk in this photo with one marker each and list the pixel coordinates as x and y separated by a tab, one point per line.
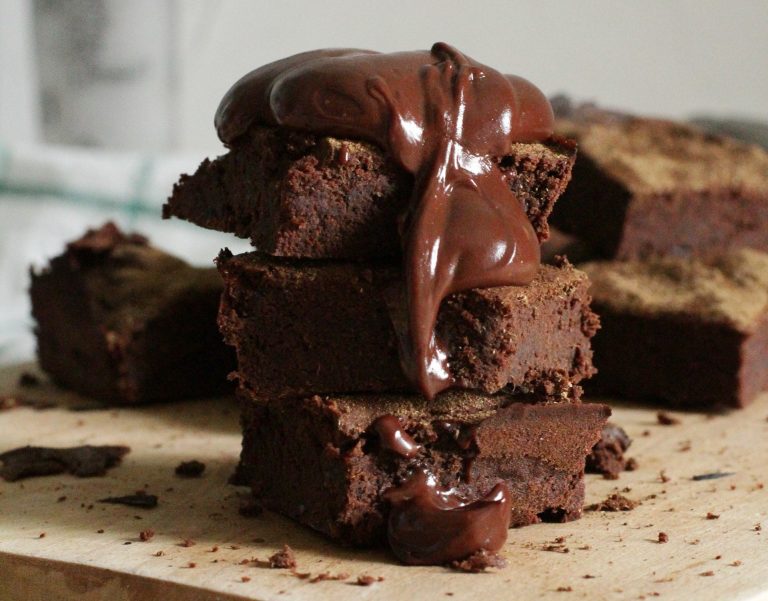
142	500
607	456
84	462
190	469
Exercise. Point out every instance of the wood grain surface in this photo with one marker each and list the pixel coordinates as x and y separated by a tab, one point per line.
92	551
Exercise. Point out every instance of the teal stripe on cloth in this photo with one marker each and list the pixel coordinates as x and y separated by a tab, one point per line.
5	160
137	205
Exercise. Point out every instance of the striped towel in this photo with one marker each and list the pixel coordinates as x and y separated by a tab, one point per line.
51	195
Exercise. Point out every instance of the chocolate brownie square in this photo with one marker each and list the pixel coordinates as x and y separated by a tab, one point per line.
644	187
322	461
295	194
124	322
327	327
686	332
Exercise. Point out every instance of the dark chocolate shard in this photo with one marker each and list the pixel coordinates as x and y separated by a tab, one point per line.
712	476
84	462
142	500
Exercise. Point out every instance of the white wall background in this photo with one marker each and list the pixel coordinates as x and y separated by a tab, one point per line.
668	57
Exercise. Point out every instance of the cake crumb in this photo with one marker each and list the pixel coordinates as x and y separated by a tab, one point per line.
245	578
146	535
663	537
187	542
735	564
190	469
158	553
707	573
665	419
283	559
192	564
368	580
41	535
479	561
614	502
564	589
712	516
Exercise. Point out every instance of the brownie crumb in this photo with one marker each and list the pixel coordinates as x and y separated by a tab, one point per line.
245	578
712	516
41	535
368	580
614	502
61	499
84	462
146	535
711	476
139	499
707	573
284	559
192	564
663	478
328	576
187	542
479	561
607	456
758	527
631	465
665	419
735	564
663	537
158	553
28	380
564	589
190	469
100	531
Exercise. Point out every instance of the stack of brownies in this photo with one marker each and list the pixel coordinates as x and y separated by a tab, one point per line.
336	436
682	282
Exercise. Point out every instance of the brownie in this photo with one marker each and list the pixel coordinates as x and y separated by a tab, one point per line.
647	187
683	331
320	460
607	456
124	322
295	194
303	328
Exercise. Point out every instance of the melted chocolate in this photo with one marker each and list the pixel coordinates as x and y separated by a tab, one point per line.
431	525
393	438
444	118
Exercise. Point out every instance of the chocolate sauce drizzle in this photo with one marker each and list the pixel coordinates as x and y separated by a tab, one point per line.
394	438
444	118
429	524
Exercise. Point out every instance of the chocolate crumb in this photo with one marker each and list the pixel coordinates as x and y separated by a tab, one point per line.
663	476
100	531
712	476
758	527
607	455
284	559
564	589
368	580
588	576
192	564
718	556
143	500
28	380
665	419
158	553
328	576
479	561
663	537
707	573
41	535
146	535
712	516
613	502
187	542
631	464
245	578
61	499
190	469
214	549
84	462
735	564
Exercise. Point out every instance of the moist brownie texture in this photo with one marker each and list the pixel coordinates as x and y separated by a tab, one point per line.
123	322
316	328
689	332
319	461
646	187
299	195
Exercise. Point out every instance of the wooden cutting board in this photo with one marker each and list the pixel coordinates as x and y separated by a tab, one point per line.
92	551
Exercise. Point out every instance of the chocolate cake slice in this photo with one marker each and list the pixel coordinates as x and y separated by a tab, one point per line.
685	332
316	328
297	194
123	322
327	461
644	187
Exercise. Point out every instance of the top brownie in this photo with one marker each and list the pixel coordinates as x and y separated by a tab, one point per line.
296	194
644	187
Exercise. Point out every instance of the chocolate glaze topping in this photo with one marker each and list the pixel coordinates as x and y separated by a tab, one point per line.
394	438
431	525
444	118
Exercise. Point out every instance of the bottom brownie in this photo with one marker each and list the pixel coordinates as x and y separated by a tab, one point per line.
329	462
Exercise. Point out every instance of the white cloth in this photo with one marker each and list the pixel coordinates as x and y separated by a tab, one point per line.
51	195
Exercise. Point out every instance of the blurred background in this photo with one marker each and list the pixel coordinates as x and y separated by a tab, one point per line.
104	102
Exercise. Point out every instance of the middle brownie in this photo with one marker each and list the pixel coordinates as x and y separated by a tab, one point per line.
304	328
